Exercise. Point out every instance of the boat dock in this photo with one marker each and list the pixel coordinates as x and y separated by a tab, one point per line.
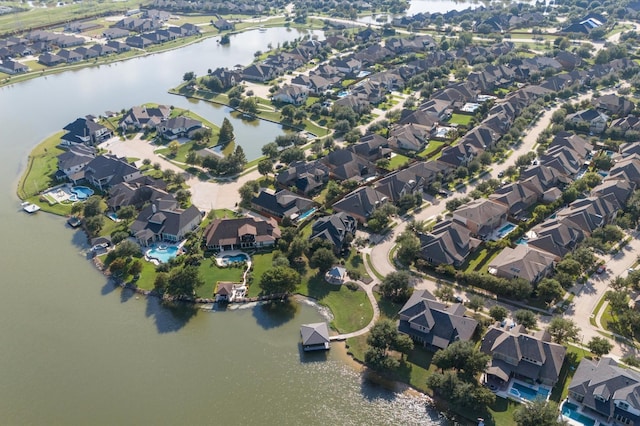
29	207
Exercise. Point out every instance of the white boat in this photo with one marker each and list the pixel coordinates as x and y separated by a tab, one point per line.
30	208
262	29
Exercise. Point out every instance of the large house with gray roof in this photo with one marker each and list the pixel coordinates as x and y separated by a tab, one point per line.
281	204
339	229
361	203
85	131
604	388
434	324
522	262
448	243
162	220
523	356
140	117
305	177
74	160
105	171
481	216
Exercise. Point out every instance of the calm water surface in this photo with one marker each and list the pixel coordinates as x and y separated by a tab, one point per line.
76	351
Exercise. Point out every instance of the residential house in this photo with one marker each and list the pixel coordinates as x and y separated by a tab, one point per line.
224	25
522	262
140	117
518	196
50	59
614	105
481	216
315	337
628	168
433	324
361	203
339	229
179	127
448	243
70	56
555	236
291	94
241	233
85	131
161	222
227	77
306	177
119	46
259	72
345	165
596	121
399	184
586	24
523	356
410	137
607	389
74	159
431	171
139	42
348	65
621	189
281	204
458	155
107	170
371	147
114	33
12	67
137	193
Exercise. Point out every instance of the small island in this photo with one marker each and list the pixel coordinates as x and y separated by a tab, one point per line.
460	195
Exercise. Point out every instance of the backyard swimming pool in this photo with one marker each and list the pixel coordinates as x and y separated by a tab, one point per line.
570	411
162	253
505	230
82	192
306	214
528	393
235	258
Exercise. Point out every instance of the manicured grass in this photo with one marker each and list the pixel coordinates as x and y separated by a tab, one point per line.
572	359
594	314
431	149
147	276
375	272
398	161
460	119
351	309
355	262
261	262
479	259
211	274
41	167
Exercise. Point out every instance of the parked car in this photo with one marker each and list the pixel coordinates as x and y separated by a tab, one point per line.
601	269
501	174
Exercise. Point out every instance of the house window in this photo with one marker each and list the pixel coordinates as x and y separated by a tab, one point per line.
622	419
623	405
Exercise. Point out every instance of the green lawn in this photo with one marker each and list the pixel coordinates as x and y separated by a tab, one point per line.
351	309
211	274
572	359
431	149
261	262
460	119
355	261
398	161
41	167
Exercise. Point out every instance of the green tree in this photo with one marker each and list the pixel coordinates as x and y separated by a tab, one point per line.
462	356
94	225
265	167
550	289
249	105
127	212
174	146
409	248
184	281
135	268
599	346
93	206
525	317
248	190
188	76
537	413
161	282
444	293
563	330
118	267
395	286
226	132
498	313
323	259
270	150
279	279
476	303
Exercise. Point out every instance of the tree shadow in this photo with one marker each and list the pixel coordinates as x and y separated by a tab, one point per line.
319	288
126	294
108	287
375	387
312	356
274	314
79	239
170	316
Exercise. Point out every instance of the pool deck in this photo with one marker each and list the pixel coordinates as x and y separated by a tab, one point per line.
599	421
497	235
506	392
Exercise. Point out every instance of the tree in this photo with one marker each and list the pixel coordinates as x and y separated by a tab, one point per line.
127	212
537	413
462	356
118	267
498	313
280	279
174	146
270	150
563	330
93	206
265	167
409	248
288	111
161	282
618	300
135	268
248	190
226	132
525	317
249	105
395	286
184	281
323	259
476	303
94	224
444	293
550	289
188	76
599	346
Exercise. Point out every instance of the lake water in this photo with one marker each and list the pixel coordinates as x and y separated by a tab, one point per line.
77	351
